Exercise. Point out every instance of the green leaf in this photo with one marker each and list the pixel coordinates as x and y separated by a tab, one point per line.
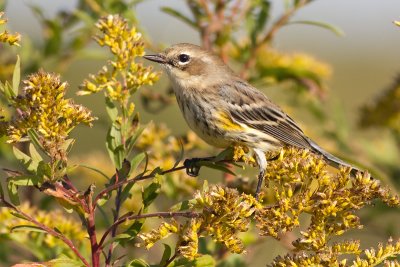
330	27
36	157
13	193
130	143
26	160
180	16
7	90
137	263
64	261
134	229
225	154
35	139
16	77
215	165
125	194
103	200
20	216
24	180
166	255
111	109
114	145
203	261
28	228
150	193
137	160
44	171
184	205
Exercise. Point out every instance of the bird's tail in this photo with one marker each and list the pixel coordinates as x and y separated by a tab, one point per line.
332	160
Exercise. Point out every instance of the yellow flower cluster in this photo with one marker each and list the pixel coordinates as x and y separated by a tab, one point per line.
372	257
124	76
55	219
385	111
163	231
6	37
301	184
366	258
223	214
42	106
241	153
297	63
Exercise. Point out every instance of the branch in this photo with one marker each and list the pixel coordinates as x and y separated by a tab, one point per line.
139	177
162	214
50	231
116	215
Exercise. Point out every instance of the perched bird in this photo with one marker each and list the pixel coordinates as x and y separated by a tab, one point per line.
225	110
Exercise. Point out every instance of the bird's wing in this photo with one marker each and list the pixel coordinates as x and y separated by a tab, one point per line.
252	108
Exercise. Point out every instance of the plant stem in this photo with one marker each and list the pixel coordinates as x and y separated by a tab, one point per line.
139	177
171	259
95	248
49	230
114	227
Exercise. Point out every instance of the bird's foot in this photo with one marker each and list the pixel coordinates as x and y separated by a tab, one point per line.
192	166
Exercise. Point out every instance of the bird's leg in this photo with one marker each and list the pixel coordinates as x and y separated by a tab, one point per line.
192	169
259	184
262	164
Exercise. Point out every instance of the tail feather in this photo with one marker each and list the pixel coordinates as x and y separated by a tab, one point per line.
332	160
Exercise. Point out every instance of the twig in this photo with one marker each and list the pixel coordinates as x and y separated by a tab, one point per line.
162	214
47	229
171	259
139	177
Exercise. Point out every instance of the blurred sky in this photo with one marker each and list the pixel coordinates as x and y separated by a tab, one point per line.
364	61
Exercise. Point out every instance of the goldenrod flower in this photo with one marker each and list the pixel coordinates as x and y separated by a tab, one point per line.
42	106
6	37
123	76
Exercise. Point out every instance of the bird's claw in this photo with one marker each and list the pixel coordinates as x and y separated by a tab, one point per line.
192	169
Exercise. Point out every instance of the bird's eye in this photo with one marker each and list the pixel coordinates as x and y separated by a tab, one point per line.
183	58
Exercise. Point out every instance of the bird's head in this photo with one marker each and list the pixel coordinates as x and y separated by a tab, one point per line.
190	65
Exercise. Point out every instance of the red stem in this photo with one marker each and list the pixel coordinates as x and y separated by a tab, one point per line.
96	251
128	181
49	230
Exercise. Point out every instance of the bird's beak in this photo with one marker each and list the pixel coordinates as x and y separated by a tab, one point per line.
159	58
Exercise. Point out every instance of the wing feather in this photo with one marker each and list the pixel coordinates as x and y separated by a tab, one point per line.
252	108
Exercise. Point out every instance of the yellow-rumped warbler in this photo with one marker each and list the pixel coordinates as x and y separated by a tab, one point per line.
224	109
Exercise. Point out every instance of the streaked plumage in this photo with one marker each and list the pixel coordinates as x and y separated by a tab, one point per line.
224	109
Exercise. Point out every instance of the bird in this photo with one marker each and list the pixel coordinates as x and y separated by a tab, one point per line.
225	110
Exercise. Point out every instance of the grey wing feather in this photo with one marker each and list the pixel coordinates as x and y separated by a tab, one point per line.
252	108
